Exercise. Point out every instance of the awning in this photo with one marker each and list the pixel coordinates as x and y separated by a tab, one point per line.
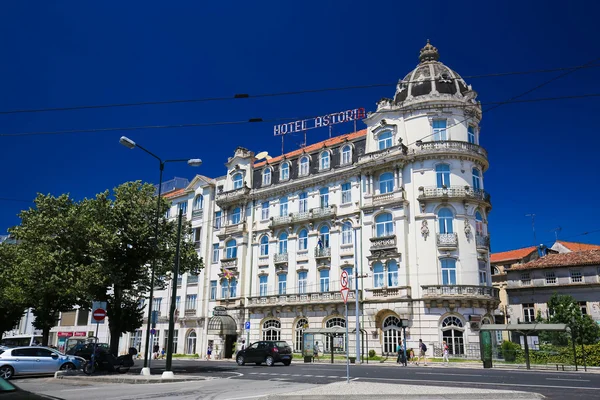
222	325
336	330
525	328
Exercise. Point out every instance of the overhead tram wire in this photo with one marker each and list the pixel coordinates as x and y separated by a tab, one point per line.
277	94
279	119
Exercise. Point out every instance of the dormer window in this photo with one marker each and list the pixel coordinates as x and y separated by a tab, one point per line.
384	140
266	177
237	181
284	174
346	154
324	161
304	163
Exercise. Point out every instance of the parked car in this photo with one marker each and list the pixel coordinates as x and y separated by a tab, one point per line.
10	391
269	352
36	360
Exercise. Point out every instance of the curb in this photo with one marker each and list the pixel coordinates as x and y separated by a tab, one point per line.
130	379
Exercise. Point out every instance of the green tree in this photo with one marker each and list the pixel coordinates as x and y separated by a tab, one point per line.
123	228
564	309
53	260
12	300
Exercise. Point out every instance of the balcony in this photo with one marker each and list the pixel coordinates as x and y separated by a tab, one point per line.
482	243
451	147
232	229
280	221
324	252
314	214
228	262
190	313
454	296
298	299
384	199
280	258
453	192
224	199
403	292
197	214
447	241
383	243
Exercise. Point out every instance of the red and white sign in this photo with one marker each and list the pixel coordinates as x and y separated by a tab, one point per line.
345	292
344	279
99	314
69	334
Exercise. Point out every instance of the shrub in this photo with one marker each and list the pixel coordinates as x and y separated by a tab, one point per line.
510	350
372	353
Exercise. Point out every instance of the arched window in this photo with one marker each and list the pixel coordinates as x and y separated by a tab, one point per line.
324	160
392	272
378	274
337	321
190	346
386	182
392	329
236	216
224	289
283	206
448	271
303	239
347	232
346	154
476	179
198	202
284	173
266	176
301	325
324	197
442	172
452	332
272	330
304	166
445	218
264	245
384	140
237	181
338	341
231	249
324	236
478	223
384	225
283	240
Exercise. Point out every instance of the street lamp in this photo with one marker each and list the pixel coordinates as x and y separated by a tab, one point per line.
193	162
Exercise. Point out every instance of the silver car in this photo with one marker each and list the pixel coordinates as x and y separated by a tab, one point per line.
36	360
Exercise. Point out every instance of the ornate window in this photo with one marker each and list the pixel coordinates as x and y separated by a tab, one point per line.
283	207
337	321
266	176
324	161
476	179
236	216
304	166
392	329
452	332
346	193
346	154
284	173
231	249
190	345
324	236
378	274
302	279
283	241
282	283
338	341
442	172
448	271
347	233
262	285
445	219
237	181
272	330
392	273
303	239
439	130
299	334
324	197
386	183
384	140
198	202
303	202
384	226
264	245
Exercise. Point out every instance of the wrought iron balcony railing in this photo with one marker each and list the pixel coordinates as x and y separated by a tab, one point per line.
324	252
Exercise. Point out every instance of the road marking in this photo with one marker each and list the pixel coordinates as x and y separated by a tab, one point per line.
434	373
328	369
296	375
565	379
482	383
354	379
334	377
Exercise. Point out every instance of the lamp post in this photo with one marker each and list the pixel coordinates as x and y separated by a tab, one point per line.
194	162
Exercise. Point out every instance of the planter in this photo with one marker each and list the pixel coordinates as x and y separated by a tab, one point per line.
307	359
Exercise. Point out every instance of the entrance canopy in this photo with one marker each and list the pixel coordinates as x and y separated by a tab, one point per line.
222	325
525	329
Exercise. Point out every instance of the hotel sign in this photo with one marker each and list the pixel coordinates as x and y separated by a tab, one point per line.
319	122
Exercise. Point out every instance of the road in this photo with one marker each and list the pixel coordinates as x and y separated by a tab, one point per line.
254	380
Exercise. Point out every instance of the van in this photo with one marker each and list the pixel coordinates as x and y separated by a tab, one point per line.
21	340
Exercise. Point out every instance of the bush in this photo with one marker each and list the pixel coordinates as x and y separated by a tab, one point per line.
510	350
372	353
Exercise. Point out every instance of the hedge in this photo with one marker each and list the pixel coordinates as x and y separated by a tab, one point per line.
549	354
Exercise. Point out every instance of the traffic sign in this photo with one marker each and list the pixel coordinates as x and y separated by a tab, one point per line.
153	331
344	279
99	314
345	292
247	325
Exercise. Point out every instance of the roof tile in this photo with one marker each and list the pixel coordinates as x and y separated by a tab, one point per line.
574	246
512	255
589	257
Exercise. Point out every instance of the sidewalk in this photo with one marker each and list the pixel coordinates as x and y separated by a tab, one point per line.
361	390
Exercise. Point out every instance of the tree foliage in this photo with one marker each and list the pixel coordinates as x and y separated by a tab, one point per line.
564	309
12	299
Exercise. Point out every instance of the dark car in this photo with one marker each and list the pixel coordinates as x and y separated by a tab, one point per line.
269	352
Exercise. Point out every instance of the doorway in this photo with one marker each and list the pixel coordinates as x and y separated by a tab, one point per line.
229	341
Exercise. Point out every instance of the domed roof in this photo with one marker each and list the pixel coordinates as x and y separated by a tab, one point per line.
430	77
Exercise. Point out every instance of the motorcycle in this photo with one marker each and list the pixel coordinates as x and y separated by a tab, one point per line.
105	361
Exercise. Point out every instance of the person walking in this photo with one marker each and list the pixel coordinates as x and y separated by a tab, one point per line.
422	352
445	360
209	351
316	351
400	349
156	351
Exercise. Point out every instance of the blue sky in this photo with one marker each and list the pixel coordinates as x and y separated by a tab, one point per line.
71	53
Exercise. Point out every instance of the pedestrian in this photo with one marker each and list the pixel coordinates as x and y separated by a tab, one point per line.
162	353
156	351
316	351
243	344
422	352
209	351
411	356
446	360
400	350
